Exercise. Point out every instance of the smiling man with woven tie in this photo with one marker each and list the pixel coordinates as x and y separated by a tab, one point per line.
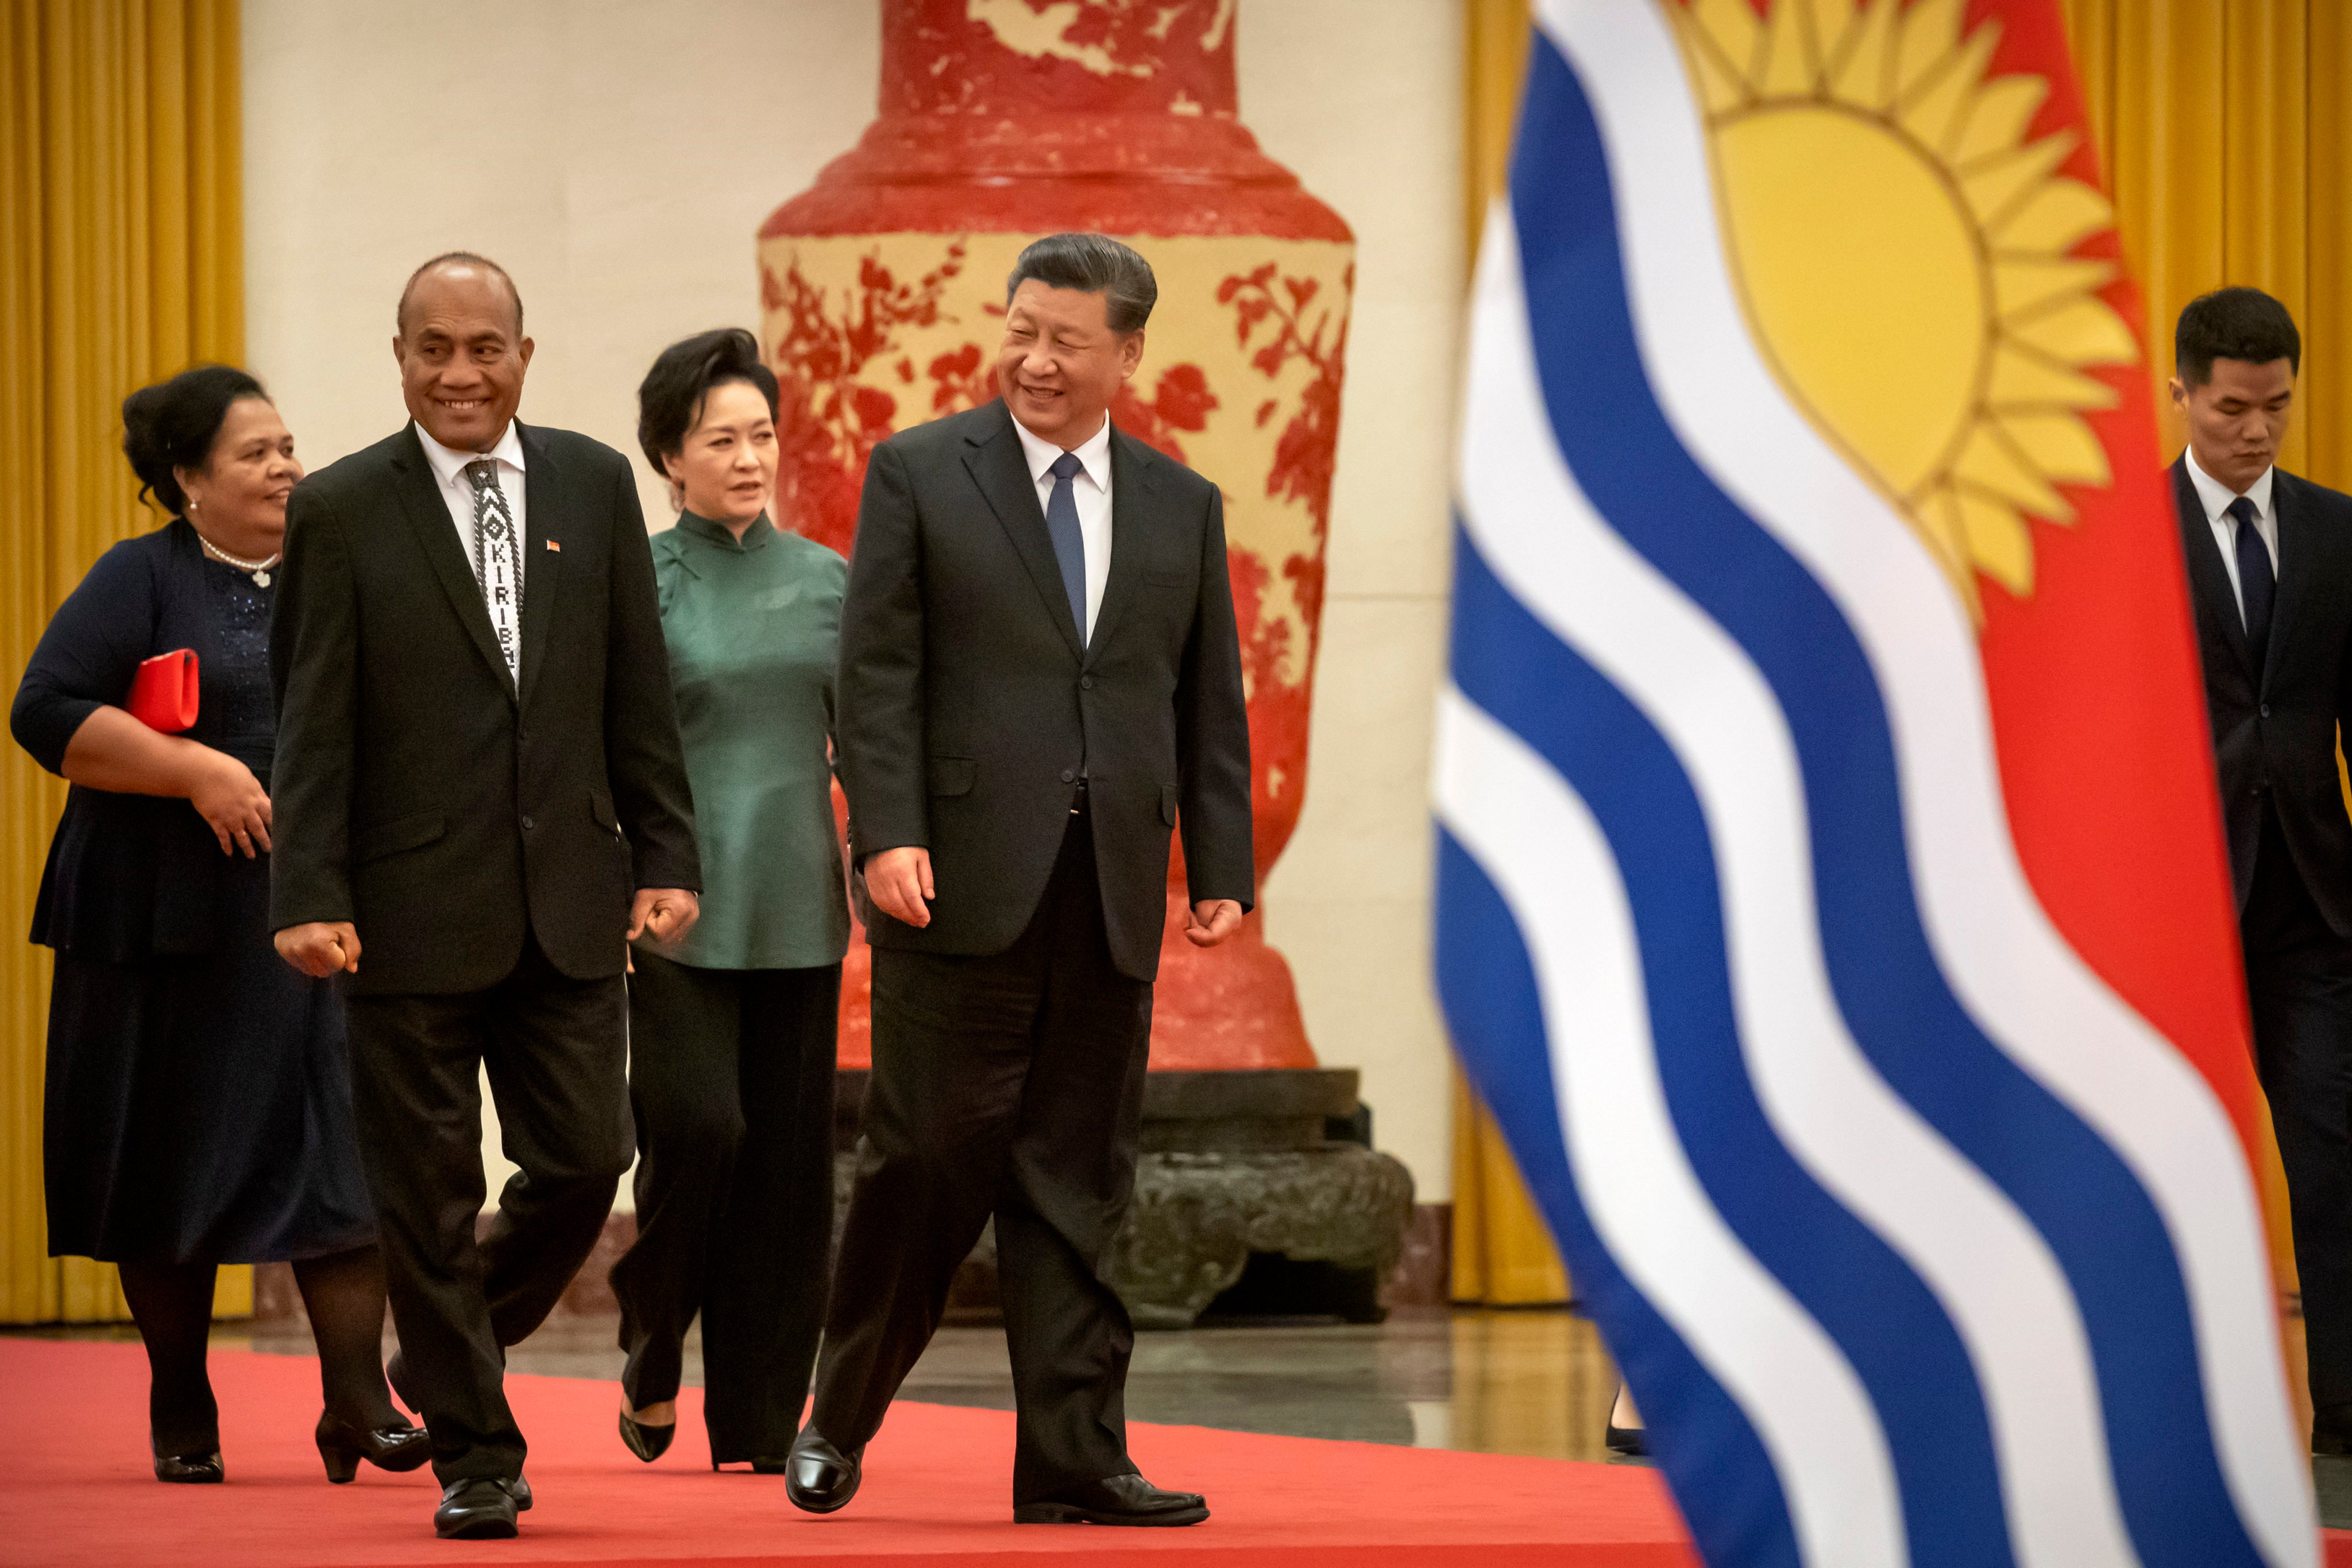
478	775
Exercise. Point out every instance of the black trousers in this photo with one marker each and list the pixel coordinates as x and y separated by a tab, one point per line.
1011	1084
555	1049
2299	978
731	1073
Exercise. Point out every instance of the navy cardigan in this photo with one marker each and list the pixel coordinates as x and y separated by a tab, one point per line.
130	876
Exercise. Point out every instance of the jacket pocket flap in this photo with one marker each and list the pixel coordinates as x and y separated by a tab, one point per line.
600	806
952	775
413	831
1168	804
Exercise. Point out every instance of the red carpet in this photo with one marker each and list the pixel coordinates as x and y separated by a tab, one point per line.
75	1489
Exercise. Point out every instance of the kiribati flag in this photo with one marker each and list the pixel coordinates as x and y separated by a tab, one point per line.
1833	904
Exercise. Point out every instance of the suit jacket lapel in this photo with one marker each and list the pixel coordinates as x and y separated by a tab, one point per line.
2208	579
542	576
1131	463
2294	568
428	515
997	466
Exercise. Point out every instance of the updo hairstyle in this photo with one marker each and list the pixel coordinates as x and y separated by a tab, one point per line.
172	423
670	398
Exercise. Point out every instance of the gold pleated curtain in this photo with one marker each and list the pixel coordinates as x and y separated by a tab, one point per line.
122	260
2225	134
1503	1251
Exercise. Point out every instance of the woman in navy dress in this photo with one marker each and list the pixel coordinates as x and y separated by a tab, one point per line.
198	1104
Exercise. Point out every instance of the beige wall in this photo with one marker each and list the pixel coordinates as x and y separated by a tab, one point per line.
1362	99
617	158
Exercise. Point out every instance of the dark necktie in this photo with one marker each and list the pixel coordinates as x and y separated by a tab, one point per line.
1069	544
2257	583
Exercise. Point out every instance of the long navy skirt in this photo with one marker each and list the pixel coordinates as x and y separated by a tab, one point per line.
199	1109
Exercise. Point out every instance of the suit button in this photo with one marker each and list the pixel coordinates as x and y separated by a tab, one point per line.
1069	776
2266	710
1086	683
526	825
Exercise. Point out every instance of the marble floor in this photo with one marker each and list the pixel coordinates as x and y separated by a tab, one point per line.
1502	1382
1535	1382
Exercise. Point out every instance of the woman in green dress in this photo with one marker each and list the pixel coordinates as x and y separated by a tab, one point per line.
731	1029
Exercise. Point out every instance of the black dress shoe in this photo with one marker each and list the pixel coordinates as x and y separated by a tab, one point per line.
479	1509
191	1469
647	1443
818	1476
1114	1500
343	1446
1628	1442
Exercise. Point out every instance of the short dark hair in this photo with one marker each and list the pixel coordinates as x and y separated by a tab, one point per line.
2233	324
453	259
1092	264
172	423
670	398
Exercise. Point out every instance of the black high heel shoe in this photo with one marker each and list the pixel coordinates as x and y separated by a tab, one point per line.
191	1469
343	1446
647	1443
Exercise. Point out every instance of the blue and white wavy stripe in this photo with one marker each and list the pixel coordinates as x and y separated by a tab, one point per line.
1717	752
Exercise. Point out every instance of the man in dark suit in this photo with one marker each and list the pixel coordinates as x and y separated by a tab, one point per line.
478	771
2269	567
1039	679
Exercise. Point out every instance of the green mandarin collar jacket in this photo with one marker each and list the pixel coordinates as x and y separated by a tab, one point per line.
752	627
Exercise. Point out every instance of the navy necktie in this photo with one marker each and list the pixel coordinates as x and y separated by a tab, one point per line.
2257	583
1069	544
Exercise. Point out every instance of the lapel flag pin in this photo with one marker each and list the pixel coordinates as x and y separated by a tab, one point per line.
554	545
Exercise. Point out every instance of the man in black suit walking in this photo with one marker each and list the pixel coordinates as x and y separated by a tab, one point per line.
478	771
1039	679
2269	567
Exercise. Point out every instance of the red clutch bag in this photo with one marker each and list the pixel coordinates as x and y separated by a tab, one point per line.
163	693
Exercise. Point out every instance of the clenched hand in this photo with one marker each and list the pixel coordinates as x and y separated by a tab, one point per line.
665	914
899	882
320	948
1211	920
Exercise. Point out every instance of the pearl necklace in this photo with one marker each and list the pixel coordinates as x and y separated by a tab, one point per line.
260	569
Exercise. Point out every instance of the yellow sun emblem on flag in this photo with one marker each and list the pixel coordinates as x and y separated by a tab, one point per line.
1903	252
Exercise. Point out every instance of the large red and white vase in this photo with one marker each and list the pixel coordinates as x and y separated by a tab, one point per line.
882	301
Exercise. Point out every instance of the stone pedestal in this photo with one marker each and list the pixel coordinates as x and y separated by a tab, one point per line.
1235	1165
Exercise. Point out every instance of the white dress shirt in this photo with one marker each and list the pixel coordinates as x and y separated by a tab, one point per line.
1091	490
2217	498
458	491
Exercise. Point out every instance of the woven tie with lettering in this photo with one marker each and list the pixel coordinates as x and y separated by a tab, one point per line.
1069	543
498	562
